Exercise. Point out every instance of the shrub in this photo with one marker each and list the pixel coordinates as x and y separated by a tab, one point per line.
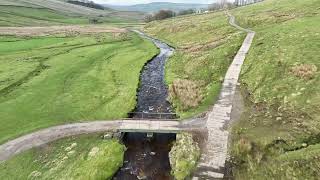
183	156
162	14
187	92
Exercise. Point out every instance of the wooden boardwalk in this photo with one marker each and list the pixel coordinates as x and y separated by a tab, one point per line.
212	163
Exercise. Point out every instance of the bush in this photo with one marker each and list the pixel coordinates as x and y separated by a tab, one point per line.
162	14
185	12
183	156
94	21
89	4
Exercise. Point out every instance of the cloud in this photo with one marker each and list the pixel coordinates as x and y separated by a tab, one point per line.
126	2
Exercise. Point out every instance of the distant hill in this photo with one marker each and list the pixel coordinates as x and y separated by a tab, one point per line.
49	12
156	6
89	4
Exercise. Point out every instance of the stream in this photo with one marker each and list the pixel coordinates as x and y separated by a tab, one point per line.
148	157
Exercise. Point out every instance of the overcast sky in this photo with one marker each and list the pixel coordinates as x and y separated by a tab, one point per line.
130	2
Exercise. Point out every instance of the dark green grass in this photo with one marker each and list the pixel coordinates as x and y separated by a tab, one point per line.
47	81
67	159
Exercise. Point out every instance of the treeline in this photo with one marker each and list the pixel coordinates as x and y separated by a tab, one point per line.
219	5
164	14
245	2
85	3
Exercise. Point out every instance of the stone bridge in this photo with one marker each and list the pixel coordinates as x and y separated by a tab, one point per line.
45	136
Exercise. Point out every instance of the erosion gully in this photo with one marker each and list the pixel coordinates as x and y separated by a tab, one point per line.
148	158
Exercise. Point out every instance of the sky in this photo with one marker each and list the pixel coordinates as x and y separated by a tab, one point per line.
130	2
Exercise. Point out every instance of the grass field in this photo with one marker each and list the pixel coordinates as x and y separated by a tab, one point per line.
278	135
26	16
45	81
39	16
83	157
205	47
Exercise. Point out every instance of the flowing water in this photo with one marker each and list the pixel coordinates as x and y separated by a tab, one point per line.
147	158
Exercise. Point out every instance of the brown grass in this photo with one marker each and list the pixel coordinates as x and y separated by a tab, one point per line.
68	30
197	48
304	71
188	92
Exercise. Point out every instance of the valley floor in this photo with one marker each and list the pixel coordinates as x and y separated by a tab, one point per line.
58	79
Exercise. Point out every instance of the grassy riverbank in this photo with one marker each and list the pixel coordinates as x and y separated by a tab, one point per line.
184	156
205	47
45	81
82	157
278	135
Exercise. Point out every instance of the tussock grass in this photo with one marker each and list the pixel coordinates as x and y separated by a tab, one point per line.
187	92
304	71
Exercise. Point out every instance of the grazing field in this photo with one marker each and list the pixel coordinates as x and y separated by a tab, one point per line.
82	157
64	78
278	135
56	12
26	16
205	47
39	16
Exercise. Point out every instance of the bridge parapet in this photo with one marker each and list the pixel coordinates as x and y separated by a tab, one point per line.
147	115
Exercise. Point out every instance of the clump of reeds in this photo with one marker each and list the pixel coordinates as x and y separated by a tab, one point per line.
187	92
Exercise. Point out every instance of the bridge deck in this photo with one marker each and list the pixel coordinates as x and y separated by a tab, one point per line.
45	136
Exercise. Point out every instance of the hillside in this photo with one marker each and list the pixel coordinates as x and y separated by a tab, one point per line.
278	134
53	12
154	7
205	46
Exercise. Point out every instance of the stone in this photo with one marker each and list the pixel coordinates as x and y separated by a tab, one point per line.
71	153
73	145
142	177
68	149
107	136
93	152
35	174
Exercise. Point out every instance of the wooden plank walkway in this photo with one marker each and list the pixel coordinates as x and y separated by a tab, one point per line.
212	163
